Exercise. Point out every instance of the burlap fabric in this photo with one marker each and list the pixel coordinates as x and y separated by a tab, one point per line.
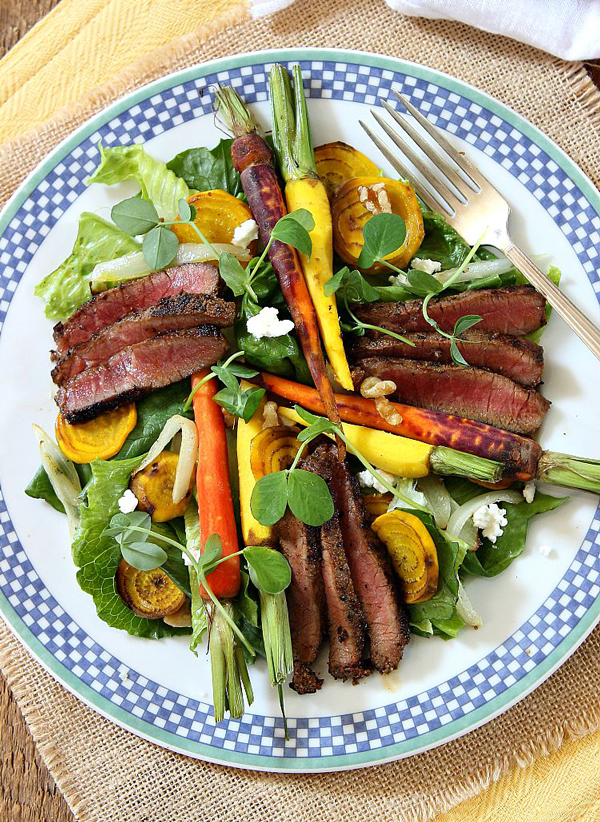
109	775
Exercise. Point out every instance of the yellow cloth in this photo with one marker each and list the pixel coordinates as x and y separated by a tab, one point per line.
75	49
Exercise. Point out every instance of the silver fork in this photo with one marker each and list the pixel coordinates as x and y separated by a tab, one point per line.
471	205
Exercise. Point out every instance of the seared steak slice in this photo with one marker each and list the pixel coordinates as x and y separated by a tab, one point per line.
466	392
299	544
347	627
371	573
514	357
515	309
136	295
139	369
169	314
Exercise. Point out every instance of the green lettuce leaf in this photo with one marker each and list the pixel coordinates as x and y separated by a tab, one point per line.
204	169
490	559
98	555
67	287
153	412
159	184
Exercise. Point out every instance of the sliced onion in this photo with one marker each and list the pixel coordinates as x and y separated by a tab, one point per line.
62	475
188	452
408	488
461	516
486	268
438	499
133	266
465	609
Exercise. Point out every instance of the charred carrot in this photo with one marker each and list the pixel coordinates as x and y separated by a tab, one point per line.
215	504
519	455
253	158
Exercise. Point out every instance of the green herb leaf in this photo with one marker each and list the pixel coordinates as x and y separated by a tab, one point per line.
241	370
269	498
269	570
213	551
309	497
159	247
134	216
383	234
421	283
332	285
464	323
186	214
352	287
234	274
293	230
205	169
145	556
240	403
457	357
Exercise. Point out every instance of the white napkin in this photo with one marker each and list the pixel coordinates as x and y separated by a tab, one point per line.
566	28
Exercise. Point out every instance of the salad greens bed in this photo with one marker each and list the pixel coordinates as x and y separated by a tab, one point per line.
96	550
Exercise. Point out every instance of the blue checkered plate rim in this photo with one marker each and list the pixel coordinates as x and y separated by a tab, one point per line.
389	728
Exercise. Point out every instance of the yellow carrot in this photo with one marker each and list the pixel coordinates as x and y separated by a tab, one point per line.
304	190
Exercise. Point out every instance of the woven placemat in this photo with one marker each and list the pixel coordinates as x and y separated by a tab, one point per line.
108	774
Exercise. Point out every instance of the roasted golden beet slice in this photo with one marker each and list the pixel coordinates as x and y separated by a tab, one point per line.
150	594
153	486
273	449
217	216
357	200
338	162
413	554
97	439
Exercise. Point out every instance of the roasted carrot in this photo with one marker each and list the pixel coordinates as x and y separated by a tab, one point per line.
215	504
519	454
253	158
304	189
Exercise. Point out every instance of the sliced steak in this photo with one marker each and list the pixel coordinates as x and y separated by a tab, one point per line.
109	306
169	314
515	309
514	357
139	369
371	572
347	626
299	544
466	392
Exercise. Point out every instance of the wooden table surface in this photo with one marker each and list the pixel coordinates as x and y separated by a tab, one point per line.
27	791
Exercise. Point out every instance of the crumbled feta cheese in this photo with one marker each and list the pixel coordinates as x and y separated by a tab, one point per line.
529	492
429	266
492	520
195	554
128	502
267	324
367	480
371	207
363	194
245	233
545	550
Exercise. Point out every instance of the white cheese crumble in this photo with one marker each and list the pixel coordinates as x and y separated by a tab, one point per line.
363	194
128	502
492	521
428	266
267	324
194	553
245	233
367	480
529	491
545	550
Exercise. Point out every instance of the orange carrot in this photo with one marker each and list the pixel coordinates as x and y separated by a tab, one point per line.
215	504
519	454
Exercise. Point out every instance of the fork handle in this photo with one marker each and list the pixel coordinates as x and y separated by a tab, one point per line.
576	319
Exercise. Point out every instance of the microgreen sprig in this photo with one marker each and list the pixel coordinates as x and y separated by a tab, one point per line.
268	569
233	398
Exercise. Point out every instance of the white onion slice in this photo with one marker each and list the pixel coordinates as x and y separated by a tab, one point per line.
438	499
62	475
133	266
188	452
465	609
486	268
461	516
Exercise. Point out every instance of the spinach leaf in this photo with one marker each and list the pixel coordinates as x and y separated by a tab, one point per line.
445	245
40	486
68	287
98	554
442	605
153	411
490	559
206	168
